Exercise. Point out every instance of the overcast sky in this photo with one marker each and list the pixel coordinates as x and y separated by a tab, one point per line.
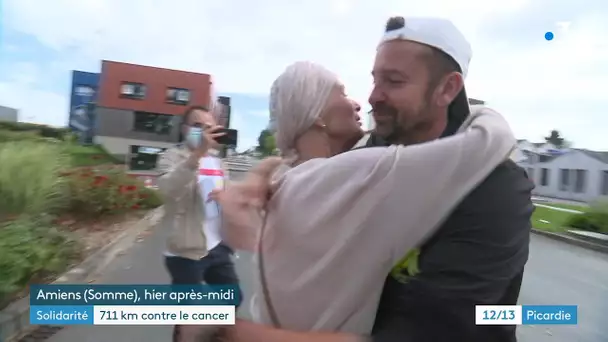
537	84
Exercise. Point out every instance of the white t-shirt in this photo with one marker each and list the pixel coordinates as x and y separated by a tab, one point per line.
211	176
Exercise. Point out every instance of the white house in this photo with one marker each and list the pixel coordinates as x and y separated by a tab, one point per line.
9	114
573	174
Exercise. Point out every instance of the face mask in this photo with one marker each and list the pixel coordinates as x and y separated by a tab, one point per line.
195	134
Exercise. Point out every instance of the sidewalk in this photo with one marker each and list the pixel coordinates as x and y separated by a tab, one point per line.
589	240
142	264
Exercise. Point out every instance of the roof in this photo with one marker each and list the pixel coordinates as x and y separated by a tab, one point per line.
598	155
543	158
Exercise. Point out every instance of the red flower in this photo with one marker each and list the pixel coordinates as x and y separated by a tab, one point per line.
100	180
135	206
131	188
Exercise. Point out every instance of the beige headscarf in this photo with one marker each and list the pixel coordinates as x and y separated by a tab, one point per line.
297	98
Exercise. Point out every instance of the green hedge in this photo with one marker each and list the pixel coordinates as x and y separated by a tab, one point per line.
44	131
33	136
594	220
37	182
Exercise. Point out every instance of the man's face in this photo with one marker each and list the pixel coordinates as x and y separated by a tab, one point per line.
201	117
401	96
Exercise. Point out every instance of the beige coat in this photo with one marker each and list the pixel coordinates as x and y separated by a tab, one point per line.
337	226
183	204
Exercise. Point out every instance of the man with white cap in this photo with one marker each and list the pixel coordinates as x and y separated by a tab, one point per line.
478	255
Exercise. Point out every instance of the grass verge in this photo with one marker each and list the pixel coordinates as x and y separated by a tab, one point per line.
31	249
550	220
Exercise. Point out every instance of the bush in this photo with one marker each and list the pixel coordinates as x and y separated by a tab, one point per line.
89	155
30	250
41	130
594	220
30	179
98	191
11	136
150	198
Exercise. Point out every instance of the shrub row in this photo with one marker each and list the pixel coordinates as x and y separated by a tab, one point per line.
38	183
594	220
41	130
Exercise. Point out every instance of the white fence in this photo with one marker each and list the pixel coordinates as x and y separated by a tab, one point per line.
238	166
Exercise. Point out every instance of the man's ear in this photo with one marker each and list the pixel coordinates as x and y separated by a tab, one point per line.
449	88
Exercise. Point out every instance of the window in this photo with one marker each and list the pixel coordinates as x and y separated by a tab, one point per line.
144	158
581	181
605	183
544	158
531	174
544	177
564	179
132	90
178	96
153	123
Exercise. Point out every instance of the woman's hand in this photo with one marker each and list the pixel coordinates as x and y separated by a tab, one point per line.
242	203
241	219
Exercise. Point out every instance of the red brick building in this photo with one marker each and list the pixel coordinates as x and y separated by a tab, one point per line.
149	89
139	108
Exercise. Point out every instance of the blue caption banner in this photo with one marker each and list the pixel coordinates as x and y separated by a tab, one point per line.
549	314
61	315
71	295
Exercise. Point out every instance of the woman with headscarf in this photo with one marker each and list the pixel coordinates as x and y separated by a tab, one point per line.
335	224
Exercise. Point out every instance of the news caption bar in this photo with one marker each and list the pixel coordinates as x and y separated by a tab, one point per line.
526	314
133	305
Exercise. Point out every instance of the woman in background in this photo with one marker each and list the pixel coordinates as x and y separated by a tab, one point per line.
190	171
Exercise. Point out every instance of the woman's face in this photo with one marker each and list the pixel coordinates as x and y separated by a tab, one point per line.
341	117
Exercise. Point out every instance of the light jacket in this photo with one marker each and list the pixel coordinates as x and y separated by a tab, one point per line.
184	212
336	227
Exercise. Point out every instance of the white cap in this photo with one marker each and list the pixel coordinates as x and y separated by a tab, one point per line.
443	35
439	33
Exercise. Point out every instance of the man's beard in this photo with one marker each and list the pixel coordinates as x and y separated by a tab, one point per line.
400	130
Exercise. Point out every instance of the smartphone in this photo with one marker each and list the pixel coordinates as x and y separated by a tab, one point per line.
229	138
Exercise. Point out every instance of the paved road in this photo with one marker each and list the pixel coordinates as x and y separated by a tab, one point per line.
557	274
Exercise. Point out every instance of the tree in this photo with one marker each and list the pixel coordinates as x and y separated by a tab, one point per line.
266	143
556	139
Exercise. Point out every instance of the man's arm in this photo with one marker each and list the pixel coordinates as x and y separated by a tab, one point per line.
245	331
